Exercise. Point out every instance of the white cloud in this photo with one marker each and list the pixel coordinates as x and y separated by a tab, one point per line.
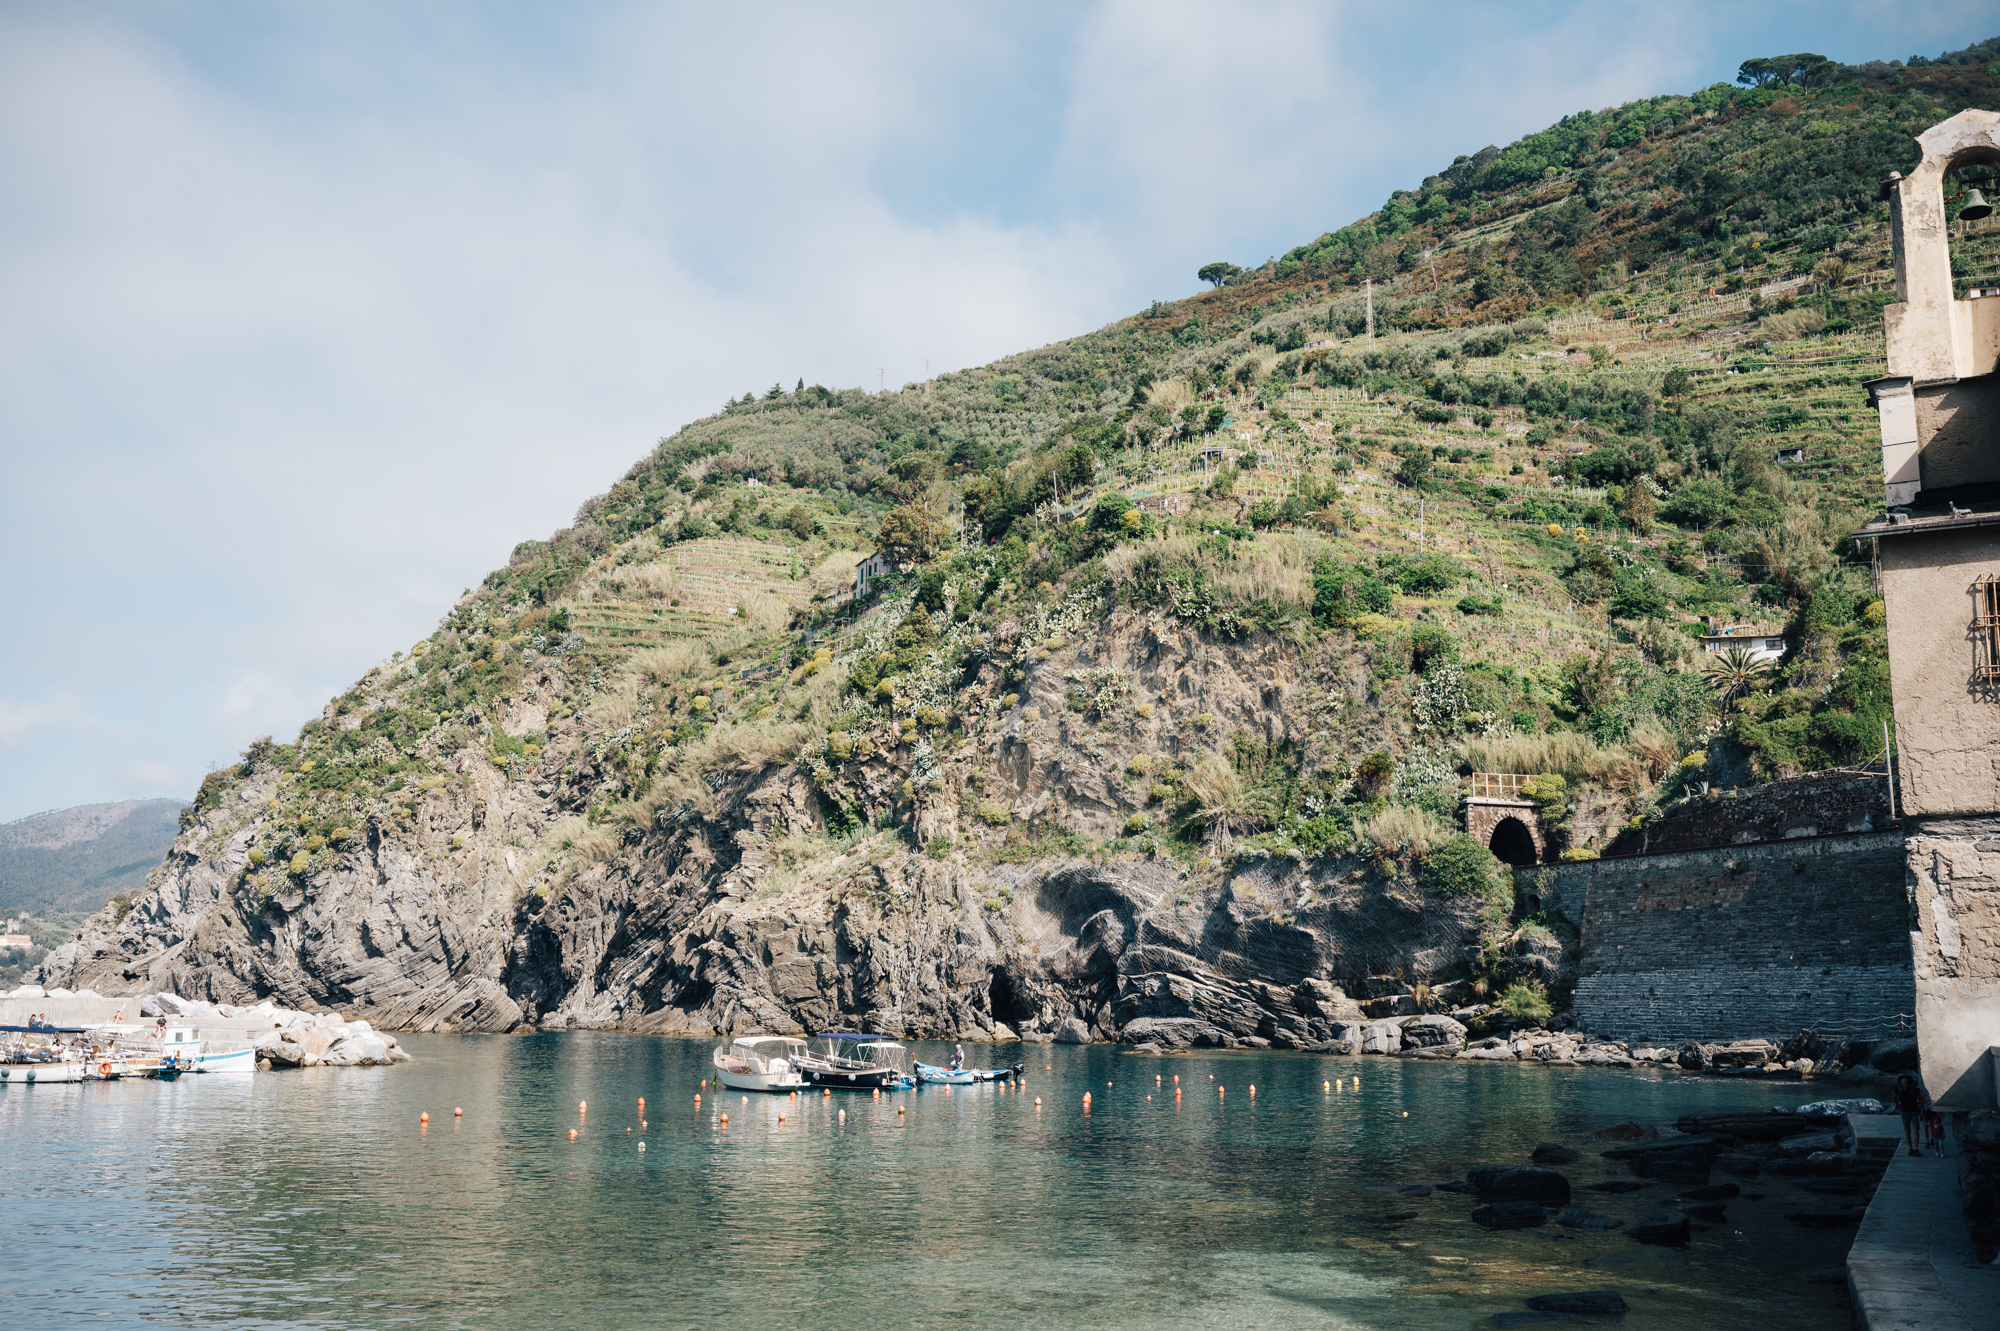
61	713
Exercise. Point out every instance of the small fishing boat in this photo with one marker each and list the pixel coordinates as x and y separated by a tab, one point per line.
928	1075
28	1073
192	1053
762	1063
854	1061
25	1062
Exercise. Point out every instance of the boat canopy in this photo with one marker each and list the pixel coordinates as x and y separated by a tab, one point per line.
848	1035
759	1041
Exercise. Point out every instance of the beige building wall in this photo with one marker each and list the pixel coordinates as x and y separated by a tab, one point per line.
1947	722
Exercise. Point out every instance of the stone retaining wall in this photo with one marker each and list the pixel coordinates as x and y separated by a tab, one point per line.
1743	940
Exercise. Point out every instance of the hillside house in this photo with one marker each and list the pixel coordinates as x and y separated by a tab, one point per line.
867	570
1763	643
1791	455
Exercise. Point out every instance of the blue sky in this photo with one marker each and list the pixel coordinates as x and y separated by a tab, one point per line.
309	313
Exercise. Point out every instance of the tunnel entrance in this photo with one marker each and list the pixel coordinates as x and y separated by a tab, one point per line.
1513	843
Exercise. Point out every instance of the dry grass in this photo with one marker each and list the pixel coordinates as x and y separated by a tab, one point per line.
835	574
1277	566
674	660
1576	758
1651	746
763	613
615	707
660	581
594	844
749	747
1399	827
1173	394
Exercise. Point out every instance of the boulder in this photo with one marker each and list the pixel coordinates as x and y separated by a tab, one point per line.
1895	1056
1627	1131
1543	1185
1739	1166
1715	1192
1764	1126
284	1054
1809	1143
1587	1303
1381	1037
1433	1032
1572	1218
168	1005
1834	1107
1706	1141
1618	1185
29	991
1714	1212
398	1054
1550	1153
1510	1215
1667	1229
1682	1163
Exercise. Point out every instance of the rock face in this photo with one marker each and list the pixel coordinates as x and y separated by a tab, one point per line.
460	910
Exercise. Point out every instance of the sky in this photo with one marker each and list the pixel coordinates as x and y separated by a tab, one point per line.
309	313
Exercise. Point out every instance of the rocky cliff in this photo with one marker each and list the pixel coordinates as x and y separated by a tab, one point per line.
994	894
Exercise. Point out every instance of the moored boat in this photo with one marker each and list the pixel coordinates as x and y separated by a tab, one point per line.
854	1061
928	1075
192	1053
762	1063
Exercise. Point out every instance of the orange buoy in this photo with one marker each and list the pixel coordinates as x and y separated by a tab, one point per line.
1038	1102
697	1099
878	1093
826	1092
1326	1086
900	1109
704	1083
1253	1088
582	1106
781	1118
572	1134
628	1129
424	1118
458	1113
725	1120
1177	1079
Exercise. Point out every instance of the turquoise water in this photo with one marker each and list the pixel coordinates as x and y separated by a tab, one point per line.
315	1198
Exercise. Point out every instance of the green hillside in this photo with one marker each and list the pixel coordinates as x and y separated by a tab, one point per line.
1613	391
57	868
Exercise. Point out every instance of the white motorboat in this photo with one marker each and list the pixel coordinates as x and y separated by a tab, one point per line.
762	1063
28	1074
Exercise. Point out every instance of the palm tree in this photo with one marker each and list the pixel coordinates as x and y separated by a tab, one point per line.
1735	671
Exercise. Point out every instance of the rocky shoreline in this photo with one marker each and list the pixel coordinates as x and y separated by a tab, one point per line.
282	1037
1481	1034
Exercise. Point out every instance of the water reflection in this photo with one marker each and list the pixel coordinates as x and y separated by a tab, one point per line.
315	1197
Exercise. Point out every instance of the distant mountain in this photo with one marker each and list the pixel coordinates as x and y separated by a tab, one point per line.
82	857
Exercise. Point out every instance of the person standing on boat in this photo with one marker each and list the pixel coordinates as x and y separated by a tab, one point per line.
958	1058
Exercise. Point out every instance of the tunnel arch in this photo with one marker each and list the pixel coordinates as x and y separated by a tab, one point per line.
1513	843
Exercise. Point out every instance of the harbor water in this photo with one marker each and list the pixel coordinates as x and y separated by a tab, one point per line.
317	1198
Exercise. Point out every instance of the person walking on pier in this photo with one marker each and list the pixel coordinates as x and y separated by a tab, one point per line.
1912	1104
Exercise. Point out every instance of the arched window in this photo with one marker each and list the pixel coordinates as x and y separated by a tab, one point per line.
1970	192
1513	843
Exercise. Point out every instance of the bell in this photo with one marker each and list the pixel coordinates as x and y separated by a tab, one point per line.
1975	207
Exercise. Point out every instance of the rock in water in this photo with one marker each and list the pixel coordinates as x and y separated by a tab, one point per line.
1624	1132
1073	1031
1590	1303
1542	1185
1687	1162
1719	1192
1510	1215
1570	1218
1618	1185
1739	1166
1667	1229
1709	1211
1549	1153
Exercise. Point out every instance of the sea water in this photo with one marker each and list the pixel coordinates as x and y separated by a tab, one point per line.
318	1198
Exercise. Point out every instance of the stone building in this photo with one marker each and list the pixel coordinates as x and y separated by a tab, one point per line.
1939	556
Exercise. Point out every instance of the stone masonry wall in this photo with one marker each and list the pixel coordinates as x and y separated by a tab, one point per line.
1744	940
1817	804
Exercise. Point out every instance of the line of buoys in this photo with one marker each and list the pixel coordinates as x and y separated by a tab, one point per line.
1177	1079
424	1117
704	1083
1086	1097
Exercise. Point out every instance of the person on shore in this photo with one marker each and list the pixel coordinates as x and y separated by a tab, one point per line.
1912	1104
1934	1131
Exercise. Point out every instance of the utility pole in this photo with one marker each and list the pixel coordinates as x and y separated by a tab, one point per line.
1368	286
880	380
